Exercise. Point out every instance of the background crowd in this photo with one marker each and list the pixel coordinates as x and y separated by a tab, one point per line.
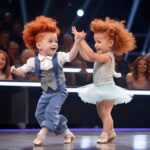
135	70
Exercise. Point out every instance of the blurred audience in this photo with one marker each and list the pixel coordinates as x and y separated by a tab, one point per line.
26	54
4	40
4	66
147	57
121	67
16	34
139	77
67	42
13	53
83	77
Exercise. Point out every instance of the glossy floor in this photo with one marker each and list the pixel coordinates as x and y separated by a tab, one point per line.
127	139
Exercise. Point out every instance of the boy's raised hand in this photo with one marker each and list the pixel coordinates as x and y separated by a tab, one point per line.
74	30
78	35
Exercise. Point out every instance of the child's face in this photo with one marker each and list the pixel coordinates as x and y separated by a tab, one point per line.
2	61
48	45
102	42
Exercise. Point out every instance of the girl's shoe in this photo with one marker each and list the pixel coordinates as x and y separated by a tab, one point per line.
111	135
69	138
103	138
39	140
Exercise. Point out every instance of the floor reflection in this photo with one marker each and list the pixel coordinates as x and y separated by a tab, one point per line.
125	140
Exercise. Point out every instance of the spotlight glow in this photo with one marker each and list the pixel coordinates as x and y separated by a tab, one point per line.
80	12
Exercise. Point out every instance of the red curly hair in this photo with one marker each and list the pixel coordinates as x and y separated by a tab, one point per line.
124	40
40	25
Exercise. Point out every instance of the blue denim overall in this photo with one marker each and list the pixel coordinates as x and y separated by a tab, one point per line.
50	102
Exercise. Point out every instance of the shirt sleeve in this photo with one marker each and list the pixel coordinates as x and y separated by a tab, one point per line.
29	66
63	58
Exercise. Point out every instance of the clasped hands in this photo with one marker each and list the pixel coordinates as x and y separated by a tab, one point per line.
79	36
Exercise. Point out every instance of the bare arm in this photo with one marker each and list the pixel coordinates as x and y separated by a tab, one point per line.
103	58
84	55
73	52
86	52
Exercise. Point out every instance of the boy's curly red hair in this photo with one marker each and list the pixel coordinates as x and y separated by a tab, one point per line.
124	40
41	24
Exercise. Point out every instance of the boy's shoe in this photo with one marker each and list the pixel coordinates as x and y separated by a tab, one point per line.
39	140
111	136
103	138
69	138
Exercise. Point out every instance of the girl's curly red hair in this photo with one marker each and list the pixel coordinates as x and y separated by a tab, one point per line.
41	24
124	40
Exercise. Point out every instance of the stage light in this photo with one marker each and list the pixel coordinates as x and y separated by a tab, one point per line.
46	7
23	10
80	12
146	43
133	12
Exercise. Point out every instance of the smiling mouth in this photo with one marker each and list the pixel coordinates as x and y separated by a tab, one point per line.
53	49
1	65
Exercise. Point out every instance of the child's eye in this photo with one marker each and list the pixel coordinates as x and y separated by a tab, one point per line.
98	42
51	41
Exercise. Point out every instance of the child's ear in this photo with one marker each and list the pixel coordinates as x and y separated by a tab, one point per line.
38	45
110	43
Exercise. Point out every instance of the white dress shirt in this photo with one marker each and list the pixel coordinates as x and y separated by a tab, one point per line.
45	62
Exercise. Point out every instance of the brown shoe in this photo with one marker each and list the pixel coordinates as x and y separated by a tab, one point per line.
111	135
69	138
39	140
103	138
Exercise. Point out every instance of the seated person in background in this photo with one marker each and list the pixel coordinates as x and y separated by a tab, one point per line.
147	57
83	77
4	66
4	40
13	53
26	54
138	78
121	66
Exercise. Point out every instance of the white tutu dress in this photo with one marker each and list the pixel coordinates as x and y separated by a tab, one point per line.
103	86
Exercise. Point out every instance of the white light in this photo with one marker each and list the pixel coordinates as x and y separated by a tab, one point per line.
139	92
76	70
71	90
72	70
21	84
80	12
140	142
85	142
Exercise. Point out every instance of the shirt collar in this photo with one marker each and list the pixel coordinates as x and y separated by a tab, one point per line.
42	58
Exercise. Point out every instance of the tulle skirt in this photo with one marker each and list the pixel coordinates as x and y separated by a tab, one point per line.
92	93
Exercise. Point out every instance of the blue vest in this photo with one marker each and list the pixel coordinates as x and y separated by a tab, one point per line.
51	79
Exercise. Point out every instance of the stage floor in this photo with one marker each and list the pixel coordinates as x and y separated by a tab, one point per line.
127	139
